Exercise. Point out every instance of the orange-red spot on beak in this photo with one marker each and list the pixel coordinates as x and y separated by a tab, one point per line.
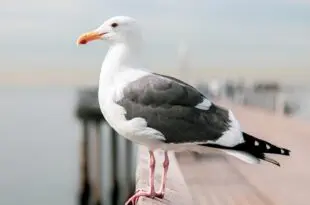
86	37
82	41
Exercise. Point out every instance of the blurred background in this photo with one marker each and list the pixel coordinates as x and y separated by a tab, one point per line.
250	52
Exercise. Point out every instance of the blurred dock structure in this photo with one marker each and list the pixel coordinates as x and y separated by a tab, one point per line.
270	96
117	171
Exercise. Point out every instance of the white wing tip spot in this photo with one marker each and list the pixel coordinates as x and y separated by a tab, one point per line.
204	105
267	146
256	143
282	151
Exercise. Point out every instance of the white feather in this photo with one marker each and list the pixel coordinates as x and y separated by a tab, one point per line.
204	105
243	156
256	143
232	136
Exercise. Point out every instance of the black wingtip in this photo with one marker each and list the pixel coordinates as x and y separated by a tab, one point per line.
285	152
264	146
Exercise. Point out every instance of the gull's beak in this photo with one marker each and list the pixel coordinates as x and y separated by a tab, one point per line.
89	36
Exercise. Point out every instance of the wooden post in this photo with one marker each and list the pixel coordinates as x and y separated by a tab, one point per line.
97	180
85	190
114	160
129	167
279	103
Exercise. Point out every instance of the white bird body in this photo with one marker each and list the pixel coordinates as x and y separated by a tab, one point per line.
162	112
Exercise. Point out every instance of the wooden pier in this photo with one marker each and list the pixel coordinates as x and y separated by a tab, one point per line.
218	179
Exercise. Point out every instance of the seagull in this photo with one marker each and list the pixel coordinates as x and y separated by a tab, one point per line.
162	112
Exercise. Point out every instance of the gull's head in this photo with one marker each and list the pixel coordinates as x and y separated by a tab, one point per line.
118	29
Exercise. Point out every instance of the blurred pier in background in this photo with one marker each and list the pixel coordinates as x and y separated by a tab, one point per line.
270	96
94	171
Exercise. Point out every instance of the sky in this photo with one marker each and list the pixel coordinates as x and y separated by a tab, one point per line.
262	34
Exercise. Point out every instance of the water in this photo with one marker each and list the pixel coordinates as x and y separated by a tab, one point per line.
39	145
39	141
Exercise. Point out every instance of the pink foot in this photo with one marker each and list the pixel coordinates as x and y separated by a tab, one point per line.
134	199
151	193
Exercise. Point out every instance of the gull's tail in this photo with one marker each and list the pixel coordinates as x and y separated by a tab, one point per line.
252	150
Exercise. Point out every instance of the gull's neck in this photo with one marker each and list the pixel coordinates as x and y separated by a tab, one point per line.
120	56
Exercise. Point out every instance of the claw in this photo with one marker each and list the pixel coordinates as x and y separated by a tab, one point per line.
134	199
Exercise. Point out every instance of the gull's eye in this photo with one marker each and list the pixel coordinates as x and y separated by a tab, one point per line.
114	25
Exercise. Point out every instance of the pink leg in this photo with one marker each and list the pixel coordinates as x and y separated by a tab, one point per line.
151	193
161	192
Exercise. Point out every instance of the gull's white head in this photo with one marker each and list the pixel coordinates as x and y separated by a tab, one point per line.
118	29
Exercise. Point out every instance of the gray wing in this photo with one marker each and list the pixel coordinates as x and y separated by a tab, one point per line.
168	105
